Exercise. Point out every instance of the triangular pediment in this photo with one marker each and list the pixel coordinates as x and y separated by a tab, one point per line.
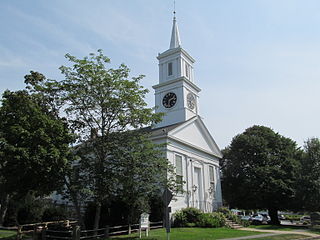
195	134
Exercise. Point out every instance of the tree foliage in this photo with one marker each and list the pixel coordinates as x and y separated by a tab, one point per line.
103	105
144	171
259	171
309	179
34	147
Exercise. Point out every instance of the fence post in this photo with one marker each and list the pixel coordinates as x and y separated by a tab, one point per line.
106	231
66	223
34	234
43	233
19	232
129	229
76	232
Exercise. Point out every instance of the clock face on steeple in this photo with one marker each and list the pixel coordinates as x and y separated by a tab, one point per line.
169	100
191	101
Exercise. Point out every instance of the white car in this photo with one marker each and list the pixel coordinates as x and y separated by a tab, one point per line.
257	218
246	217
260	219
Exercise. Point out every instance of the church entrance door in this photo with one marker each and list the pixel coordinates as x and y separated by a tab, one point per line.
197	188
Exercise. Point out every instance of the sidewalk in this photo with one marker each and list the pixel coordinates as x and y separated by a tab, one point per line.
268	233
281	232
252	236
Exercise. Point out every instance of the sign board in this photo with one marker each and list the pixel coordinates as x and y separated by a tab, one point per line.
144	220
144	223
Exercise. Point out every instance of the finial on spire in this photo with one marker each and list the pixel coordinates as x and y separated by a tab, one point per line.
175	37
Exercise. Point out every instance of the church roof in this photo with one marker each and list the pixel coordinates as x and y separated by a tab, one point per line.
192	133
162	131
175	37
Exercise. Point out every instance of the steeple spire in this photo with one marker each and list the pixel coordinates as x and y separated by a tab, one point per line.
175	38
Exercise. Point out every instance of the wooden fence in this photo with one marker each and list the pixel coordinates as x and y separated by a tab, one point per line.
40	231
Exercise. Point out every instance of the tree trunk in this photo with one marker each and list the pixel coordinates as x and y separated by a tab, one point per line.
273	213
75	200
97	217
4	202
77	209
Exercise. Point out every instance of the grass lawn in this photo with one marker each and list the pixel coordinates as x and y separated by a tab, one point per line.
285	228
7	233
281	237
191	234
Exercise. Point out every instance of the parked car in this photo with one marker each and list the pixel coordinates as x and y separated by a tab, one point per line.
246	217
281	217
260	219
266	217
257	219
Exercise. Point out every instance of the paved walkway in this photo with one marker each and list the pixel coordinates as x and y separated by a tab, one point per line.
282	232
253	236
268	233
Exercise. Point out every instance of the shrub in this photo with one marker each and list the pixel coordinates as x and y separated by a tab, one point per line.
186	216
220	218
244	223
192	217
180	219
225	211
212	220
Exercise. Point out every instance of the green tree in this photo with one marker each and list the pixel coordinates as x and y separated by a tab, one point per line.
46	91
100	103
259	171
34	147
309	180
145	172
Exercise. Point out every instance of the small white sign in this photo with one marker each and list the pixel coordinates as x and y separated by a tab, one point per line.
144	223
144	220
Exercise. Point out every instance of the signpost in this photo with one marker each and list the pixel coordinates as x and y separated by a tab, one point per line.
167	197
144	223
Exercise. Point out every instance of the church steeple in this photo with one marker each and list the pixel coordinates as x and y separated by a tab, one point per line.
176	94
175	37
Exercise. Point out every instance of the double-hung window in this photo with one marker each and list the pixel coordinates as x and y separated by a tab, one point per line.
211	178
179	173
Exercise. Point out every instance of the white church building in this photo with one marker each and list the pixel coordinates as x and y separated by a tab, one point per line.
189	145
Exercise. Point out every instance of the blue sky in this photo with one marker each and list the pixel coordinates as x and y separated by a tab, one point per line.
257	61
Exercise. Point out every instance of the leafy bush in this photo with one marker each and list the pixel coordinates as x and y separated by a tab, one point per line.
245	223
225	211
192	217
185	216
234	218
212	220
180	219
